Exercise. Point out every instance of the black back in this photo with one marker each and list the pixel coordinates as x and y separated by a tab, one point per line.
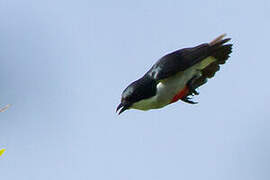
177	61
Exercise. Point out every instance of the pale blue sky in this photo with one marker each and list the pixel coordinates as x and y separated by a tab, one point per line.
64	65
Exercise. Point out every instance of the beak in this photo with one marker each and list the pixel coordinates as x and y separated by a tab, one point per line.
123	108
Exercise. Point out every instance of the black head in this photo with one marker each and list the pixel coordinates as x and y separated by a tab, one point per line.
141	89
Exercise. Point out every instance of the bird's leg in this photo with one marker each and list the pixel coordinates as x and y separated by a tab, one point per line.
188	100
190	85
191	89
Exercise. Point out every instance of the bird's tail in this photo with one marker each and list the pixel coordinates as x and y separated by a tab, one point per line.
218	39
220	51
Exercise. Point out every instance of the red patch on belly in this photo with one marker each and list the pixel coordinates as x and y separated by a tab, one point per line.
182	93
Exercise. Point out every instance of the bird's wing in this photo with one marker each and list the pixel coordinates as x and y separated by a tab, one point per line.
221	54
182	59
219	51
178	61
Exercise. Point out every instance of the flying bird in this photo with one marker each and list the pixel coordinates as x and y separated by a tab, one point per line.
176	76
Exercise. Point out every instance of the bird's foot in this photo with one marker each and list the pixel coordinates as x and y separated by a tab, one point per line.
188	100
193	92
192	89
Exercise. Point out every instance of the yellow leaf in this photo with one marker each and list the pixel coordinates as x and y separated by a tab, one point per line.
2	151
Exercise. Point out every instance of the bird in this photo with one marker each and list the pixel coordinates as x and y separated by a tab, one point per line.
176	76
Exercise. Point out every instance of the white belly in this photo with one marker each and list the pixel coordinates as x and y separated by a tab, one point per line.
168	88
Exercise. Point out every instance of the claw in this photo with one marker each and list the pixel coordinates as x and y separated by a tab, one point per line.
190	86
188	100
194	92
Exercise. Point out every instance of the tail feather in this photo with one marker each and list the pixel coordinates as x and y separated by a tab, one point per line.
221	52
218	39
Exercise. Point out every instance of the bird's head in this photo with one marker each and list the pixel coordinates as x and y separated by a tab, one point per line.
136	91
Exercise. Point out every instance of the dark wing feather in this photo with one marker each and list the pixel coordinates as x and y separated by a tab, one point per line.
221	53
178	61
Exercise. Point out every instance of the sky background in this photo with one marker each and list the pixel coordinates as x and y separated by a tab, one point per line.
65	63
